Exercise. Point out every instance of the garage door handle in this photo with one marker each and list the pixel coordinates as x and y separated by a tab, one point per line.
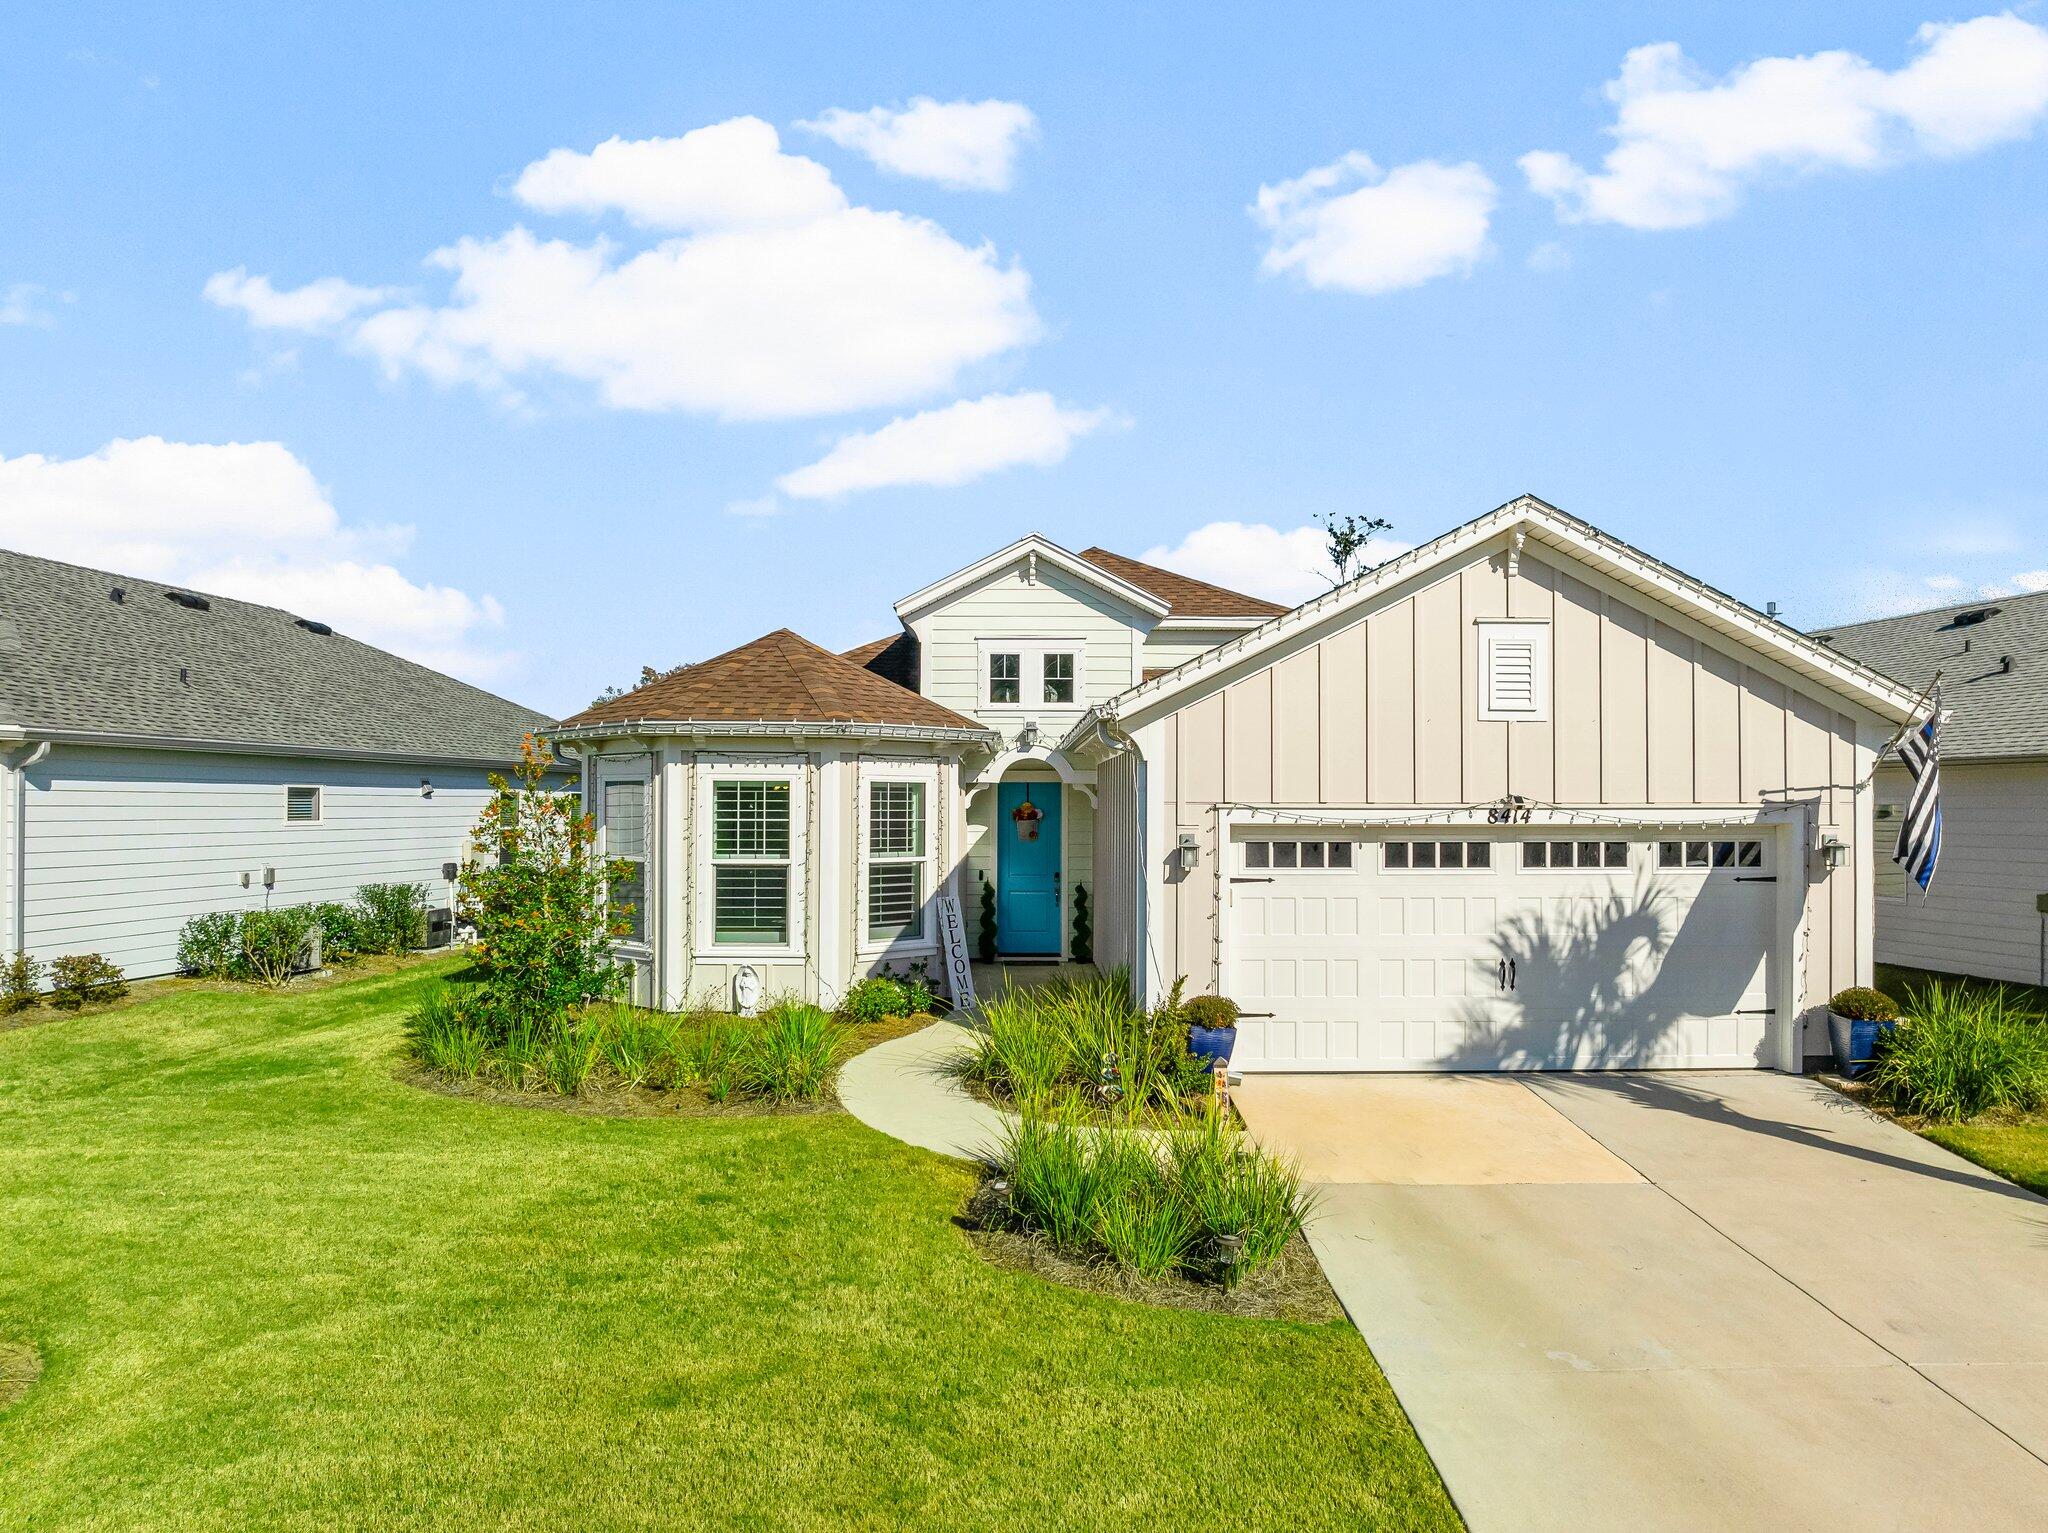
1503	976
1251	880
1511	974
1243	1014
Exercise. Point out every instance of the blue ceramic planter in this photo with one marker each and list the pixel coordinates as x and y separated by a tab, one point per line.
1212	1042
1855	1043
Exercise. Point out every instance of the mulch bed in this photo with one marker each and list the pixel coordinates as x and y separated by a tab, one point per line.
600	1099
1290	1287
20	1366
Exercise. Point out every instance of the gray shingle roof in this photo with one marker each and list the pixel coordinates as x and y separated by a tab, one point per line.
1994	711
74	660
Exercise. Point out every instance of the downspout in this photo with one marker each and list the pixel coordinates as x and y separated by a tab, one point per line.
18	853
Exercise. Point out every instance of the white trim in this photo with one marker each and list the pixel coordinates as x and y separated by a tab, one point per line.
1031	656
1031	545
1197	624
993	769
1535	632
868	948
772	729
669	841
714	768
633	767
1816	662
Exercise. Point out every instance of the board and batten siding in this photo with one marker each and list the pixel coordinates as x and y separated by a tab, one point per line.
124	846
1007	605
1980	918
1377	708
1119	857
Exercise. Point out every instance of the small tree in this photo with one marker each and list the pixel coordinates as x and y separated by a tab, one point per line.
1345	539
535	890
1082	947
985	939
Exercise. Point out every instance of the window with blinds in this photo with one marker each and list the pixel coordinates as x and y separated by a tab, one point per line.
625	845
1514	671
898	851
750	862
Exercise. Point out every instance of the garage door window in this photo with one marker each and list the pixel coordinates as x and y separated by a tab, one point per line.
1410	856
1719	854
1574	854
1297	854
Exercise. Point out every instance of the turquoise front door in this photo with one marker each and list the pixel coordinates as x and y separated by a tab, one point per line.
1028	870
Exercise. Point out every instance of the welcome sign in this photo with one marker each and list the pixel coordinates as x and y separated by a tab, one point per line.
953	950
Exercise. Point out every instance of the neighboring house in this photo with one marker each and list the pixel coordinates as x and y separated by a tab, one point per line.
1981	917
165	753
1522	798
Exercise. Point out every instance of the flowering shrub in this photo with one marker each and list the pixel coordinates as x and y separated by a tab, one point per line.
534	890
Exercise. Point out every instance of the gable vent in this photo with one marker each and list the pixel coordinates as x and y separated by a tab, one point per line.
1514	670
187	599
312	627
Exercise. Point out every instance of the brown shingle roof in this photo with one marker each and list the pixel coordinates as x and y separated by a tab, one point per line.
1183	595
780	677
893	658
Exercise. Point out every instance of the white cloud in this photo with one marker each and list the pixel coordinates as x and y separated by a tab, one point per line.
1687	145
728	175
247	520
2031	580
25	303
317	307
1401	229
765	311
1550	258
947	446
1289	565
972	145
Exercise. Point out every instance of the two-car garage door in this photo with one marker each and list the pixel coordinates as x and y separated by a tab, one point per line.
1476	949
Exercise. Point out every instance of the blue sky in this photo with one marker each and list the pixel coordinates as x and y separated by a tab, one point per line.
1791	339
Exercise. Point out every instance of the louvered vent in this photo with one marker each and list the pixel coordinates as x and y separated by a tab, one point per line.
1514	670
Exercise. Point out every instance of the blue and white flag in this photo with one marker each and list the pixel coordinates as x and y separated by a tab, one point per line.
1919	847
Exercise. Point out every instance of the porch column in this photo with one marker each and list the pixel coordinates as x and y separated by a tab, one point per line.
672	876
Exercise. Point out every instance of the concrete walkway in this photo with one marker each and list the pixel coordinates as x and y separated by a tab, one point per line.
901	1088
1691	1301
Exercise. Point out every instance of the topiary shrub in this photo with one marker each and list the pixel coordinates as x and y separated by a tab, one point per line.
85	979
210	945
21	984
1859	1003
1081	946
985	939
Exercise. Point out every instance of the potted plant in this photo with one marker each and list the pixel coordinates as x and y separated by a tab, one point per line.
1212	1027
1857	1018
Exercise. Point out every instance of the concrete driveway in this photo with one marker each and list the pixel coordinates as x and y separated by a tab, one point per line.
1686	1301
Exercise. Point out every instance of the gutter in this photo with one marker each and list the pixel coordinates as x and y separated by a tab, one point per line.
21	736
777	729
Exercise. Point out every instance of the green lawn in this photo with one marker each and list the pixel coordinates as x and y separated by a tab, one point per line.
2016	1151
274	1286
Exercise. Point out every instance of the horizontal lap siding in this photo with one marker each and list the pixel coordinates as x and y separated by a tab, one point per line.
122	847
1980	917
1382	712
1117	895
1006	606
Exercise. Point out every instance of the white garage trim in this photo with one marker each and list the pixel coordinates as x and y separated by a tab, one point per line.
1790	827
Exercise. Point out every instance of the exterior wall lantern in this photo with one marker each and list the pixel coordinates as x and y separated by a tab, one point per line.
1834	851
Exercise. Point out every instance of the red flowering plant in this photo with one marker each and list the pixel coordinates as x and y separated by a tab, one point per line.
536	892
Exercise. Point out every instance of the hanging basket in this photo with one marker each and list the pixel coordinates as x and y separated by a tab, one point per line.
1026	817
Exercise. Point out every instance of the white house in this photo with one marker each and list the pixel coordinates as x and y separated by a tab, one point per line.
1983	916
1522	798
164	753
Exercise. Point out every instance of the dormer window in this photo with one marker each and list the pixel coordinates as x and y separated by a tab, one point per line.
1005	677
1031	673
1059	677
